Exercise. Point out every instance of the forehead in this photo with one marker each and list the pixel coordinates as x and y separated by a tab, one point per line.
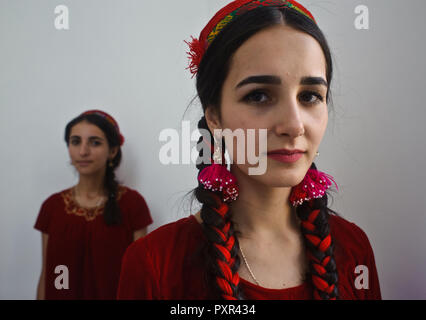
279	50
86	129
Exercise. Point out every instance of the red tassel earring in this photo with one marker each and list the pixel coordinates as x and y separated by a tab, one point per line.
218	178
313	186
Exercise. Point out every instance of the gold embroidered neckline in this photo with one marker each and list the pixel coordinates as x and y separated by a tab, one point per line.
90	214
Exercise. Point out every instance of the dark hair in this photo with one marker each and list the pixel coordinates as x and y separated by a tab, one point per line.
112	214
218	228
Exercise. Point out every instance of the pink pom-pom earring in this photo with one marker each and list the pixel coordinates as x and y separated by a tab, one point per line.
313	185
218	178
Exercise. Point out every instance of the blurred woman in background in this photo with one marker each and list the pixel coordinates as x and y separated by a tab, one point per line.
87	228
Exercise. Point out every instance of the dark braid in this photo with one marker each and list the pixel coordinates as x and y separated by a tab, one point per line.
315	228
222	259
112	214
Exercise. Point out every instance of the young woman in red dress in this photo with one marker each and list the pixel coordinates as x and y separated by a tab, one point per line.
88	227
259	65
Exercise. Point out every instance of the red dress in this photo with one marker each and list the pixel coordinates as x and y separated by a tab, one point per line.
167	264
80	240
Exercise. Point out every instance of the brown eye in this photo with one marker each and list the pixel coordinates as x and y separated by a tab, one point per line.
74	141
311	97
95	143
257	97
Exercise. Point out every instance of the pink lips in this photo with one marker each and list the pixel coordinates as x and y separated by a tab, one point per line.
285	155
84	163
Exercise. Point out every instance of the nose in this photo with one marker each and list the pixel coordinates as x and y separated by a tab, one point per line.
84	148
289	120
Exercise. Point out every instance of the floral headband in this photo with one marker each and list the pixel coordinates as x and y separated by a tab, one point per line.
197	47
110	119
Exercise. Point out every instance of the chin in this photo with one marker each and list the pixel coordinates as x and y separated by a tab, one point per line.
277	176
283	183
87	171
278	180
284	178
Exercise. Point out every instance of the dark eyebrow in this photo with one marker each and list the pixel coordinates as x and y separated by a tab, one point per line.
313	81
90	138
260	79
95	138
268	79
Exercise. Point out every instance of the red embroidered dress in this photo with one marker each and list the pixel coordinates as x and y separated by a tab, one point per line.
80	240
168	264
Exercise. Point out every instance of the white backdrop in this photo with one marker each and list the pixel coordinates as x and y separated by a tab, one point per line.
128	58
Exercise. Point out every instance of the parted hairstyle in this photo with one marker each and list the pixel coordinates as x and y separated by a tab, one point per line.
112	214
221	248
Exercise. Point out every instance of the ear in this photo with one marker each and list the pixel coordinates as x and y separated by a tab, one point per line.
113	152
212	119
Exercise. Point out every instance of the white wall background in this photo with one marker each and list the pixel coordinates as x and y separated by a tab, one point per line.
128	58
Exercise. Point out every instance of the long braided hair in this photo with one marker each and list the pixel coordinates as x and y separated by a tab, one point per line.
222	247
222	259
112	214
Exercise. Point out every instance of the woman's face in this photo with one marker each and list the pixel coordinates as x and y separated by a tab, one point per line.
88	149
276	81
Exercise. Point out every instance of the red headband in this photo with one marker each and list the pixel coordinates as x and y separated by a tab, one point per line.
109	118
224	16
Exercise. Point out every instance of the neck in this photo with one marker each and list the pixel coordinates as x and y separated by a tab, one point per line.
260	209
91	185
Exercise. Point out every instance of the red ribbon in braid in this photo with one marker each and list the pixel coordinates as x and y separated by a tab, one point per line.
319	266
225	249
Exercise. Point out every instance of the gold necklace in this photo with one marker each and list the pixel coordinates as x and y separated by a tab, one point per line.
248	267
